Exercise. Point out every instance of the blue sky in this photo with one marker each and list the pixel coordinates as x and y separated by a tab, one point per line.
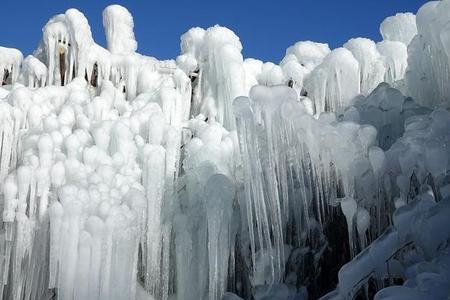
266	28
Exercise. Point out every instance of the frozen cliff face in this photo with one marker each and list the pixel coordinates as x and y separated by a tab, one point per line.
212	176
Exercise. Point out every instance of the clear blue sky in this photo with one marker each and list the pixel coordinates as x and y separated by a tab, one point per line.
266	28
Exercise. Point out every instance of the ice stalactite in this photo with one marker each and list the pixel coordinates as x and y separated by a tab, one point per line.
14	118
300	59
378	260
295	73
102	211
221	71
118	24
263	203
204	229
349	206
398	32
191	46
126	65
428	74
10	61
411	229
65	46
81	42
99	65
219	195
51	174
160	155
387	109
272	120
427	166
308	54
271	74
362	225
7	136
35	72
55	33
371	67
25	207
395	57
334	83
154	156
69	50
401	27
126	177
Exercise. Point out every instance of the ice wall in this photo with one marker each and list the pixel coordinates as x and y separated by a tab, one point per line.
212	176
309	179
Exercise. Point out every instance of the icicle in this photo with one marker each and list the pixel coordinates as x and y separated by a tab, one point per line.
349	206
362	224
219	193
153	182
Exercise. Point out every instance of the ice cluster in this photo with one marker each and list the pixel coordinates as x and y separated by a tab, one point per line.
214	176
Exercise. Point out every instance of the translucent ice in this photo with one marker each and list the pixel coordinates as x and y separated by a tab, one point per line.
214	176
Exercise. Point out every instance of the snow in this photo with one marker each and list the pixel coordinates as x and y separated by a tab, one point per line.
214	176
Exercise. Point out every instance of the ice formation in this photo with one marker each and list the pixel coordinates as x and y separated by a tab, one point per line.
401	27
426	77
371	68
334	83
214	176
